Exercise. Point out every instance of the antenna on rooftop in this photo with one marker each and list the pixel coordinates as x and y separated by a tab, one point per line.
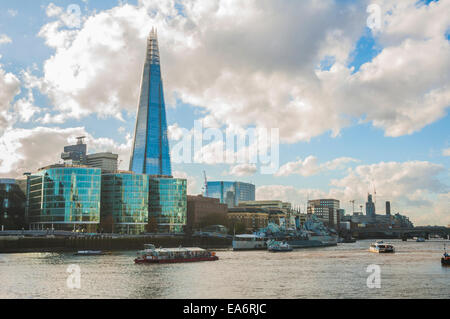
80	140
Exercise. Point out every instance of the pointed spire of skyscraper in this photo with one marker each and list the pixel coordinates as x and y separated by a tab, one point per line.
151	144
153	47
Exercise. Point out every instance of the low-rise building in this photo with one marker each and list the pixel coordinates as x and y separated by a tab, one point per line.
267	204
12	205
252	218
280	212
205	211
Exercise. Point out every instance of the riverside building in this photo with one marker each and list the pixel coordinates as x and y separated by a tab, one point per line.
167	204
12	205
327	210
124	203
204	211
65	197
252	218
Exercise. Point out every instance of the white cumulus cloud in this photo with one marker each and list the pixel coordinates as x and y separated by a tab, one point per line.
262	68
26	150
310	166
4	39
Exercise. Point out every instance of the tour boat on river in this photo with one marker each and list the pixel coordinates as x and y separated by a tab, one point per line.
154	255
445	260
381	247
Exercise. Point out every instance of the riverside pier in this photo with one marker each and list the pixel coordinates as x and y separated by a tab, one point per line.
42	241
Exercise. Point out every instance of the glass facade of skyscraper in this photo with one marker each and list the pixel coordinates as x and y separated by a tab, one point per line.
151	154
65	198
167	204
370	207
124	203
231	193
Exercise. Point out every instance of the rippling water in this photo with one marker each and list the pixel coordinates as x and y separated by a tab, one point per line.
414	271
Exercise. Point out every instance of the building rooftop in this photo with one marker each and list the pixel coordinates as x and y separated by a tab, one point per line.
104	154
248	210
230	182
203	198
64	166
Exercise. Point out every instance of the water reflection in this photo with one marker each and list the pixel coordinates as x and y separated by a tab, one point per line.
414	271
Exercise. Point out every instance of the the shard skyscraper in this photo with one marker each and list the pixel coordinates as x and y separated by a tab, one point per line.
151	154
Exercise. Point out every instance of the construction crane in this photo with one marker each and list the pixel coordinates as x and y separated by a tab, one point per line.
205	186
375	193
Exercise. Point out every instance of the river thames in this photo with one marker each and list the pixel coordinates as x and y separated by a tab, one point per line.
414	271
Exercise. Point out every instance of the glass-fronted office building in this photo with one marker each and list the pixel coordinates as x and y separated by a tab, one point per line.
151	154
12	205
231	193
370	207
124	203
65	197
167	204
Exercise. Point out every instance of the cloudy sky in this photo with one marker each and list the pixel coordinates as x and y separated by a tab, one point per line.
359	90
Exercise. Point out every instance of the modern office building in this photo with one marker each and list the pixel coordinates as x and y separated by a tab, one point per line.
231	193
341	213
151	154
106	161
124	203
205	211
167	204
12	205
75	154
326	210
370	207
388	208
65	197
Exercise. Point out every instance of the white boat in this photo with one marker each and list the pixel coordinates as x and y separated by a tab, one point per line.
381	247
278	246
249	242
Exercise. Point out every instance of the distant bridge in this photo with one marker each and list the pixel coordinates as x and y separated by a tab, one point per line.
421	231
